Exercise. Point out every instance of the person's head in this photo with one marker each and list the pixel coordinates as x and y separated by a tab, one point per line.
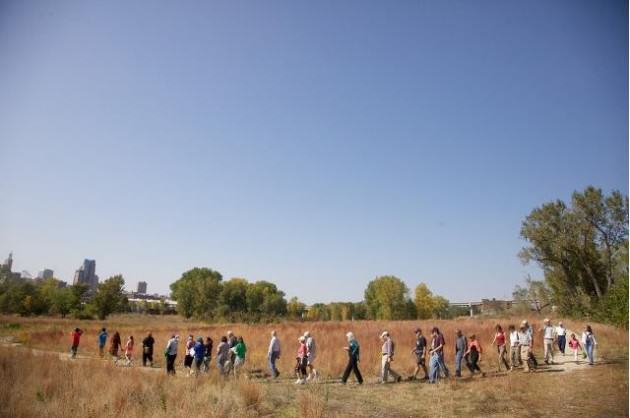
172	336
200	339
77	329
384	335
190	338
240	340
208	340
307	334
224	339
458	332
547	321
498	328
560	324
149	334
131	337
273	333
511	327
573	336
301	339
418	332
103	330
230	334
473	337
350	336
523	328
177	338
589	329
435	331
116	334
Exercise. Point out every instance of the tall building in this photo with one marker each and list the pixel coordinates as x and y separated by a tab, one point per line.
86	274
45	274
8	263
142	287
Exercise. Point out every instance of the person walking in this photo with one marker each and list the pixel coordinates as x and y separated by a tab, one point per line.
240	349
200	351
473	356
115	346
273	354
207	357
461	345
589	343
223	354
434	357
561	337
353	360
440	351
76	339
171	354
301	361
387	356
232	341
548	332
531	357
129	351
311	353
575	346
525	339
515	349
420	351
102	340
499	340
190	354
147	350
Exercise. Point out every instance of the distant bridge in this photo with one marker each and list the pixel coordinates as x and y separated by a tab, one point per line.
489	304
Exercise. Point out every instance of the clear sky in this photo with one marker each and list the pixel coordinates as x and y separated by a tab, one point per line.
312	144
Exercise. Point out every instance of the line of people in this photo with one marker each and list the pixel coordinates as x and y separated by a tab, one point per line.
231	352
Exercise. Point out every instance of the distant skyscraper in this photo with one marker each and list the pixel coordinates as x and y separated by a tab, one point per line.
8	263
86	274
45	274
142	287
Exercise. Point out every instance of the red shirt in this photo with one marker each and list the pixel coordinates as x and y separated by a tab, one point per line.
76	336
574	344
302	350
500	338
475	344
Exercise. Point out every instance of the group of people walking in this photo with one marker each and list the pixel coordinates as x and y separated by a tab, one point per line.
231	352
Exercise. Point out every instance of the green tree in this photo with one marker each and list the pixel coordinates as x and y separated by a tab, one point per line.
110	297
265	300
295	308
578	246
234	295
197	292
386	298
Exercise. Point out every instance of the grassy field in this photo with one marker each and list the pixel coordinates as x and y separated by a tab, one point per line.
47	384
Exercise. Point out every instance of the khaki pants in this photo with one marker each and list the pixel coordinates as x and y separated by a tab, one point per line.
386	370
515	354
525	356
503	357
548	350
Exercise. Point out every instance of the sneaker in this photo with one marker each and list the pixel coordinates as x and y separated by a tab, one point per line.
299	381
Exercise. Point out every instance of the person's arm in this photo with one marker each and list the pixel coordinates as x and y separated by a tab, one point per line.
494	339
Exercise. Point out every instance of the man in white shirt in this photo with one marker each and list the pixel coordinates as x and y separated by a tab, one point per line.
548	341
312	353
561	335
515	349
274	354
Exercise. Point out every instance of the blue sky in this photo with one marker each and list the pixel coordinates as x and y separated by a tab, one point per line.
313	144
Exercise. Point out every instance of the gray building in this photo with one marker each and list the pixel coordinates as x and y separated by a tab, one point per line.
8	263
142	287
86	274
45	274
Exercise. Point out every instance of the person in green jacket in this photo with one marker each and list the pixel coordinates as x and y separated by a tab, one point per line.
239	350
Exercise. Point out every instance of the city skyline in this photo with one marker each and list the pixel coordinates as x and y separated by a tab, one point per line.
313	147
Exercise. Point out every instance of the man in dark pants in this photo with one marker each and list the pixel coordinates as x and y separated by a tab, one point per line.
147	350
353	360
419	350
171	354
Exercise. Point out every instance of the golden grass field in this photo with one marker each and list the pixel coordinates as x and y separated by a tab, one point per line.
42	383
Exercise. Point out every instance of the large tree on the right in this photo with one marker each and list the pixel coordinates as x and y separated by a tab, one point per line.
581	247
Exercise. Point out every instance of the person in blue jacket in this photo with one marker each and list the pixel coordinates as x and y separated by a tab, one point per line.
200	352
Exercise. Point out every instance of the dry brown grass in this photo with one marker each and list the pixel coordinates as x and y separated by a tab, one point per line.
47	385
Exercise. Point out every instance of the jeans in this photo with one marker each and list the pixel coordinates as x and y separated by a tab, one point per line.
589	352
353	366
273	356
459	356
434	366
562	340
443	367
